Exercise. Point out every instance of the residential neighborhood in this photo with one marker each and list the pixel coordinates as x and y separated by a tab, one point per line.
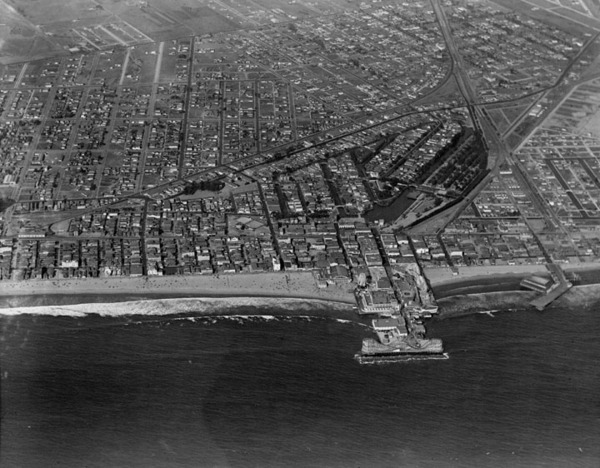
297	146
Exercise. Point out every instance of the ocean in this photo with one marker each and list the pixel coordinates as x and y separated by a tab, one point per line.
520	389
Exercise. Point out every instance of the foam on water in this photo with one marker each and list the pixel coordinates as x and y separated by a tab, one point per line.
489	312
173	306
519	390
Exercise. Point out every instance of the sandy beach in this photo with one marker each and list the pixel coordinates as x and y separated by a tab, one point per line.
478	289
299	285
473	290
438	276
480	279
459	305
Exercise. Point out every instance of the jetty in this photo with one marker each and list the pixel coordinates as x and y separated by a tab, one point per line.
551	288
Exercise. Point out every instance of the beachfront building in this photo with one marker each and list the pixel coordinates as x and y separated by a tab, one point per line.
376	302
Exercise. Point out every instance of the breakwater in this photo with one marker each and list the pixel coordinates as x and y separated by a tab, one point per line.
466	304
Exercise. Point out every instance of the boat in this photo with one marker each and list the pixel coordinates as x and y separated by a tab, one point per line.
395	343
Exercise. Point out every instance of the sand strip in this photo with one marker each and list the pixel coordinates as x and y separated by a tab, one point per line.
285	285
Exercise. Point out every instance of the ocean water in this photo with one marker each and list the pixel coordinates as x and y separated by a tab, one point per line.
520	389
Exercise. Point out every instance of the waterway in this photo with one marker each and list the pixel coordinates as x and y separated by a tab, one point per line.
392	211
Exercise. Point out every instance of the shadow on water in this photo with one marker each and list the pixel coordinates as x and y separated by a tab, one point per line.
392	211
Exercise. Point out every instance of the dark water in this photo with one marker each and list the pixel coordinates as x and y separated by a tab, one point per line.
521	389
392	212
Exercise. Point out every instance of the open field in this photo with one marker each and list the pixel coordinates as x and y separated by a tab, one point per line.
50	11
20	39
567	20
32	30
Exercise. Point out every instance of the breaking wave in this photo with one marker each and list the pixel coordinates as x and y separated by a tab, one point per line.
229	307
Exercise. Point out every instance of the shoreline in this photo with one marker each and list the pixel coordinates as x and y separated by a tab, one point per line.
240	307
120	306
298	285
582	296
444	277
285	294
64	299
457	295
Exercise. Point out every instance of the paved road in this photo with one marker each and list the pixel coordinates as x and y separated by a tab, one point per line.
460	71
183	136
